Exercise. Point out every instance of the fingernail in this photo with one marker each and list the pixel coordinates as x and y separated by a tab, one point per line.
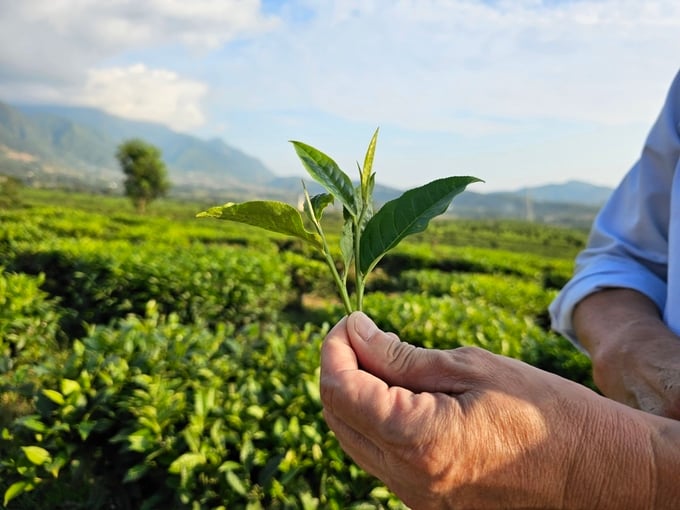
364	326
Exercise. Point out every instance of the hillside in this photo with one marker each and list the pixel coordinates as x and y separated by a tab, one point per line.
569	192
73	147
59	143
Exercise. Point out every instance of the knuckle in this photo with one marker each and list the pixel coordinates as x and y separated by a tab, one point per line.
401	356
327	393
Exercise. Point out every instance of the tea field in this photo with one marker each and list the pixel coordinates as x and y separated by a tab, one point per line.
168	362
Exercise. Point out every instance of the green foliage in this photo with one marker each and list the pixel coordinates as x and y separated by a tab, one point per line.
28	320
145	174
188	371
274	216
366	236
155	414
100	281
10	188
406	215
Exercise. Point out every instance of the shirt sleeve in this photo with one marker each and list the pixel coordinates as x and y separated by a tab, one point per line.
628	242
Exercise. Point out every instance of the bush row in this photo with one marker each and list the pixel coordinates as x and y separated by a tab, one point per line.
187	372
155	414
28	319
96	282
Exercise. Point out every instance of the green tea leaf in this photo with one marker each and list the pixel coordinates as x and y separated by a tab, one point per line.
368	167
36	454
85	428
236	483
140	441
68	386
408	214
135	472
16	489
270	215
186	462
320	202
54	396
327	173
347	244
32	422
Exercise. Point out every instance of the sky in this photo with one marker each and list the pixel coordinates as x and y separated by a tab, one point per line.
515	92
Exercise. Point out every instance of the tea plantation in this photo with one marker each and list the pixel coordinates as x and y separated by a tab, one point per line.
168	362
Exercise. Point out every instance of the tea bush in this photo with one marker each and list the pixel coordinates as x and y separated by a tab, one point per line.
188	374
524	296
98	281
28	320
155	414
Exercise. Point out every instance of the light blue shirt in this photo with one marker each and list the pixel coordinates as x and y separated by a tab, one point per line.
635	239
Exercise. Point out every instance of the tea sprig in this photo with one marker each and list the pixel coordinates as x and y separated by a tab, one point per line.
367	235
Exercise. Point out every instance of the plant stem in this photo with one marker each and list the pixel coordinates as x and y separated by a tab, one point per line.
342	288
358	277
340	284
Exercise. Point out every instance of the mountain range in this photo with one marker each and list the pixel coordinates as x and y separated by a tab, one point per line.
66	146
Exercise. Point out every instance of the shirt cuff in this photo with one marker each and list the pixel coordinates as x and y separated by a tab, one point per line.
615	273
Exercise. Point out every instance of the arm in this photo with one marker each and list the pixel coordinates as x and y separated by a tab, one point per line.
636	358
629	241
619	305
467	429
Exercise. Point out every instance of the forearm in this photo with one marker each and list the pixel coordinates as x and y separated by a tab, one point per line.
641	462
666	444
618	457
636	357
611	318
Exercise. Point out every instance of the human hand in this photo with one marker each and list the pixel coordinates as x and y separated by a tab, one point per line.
465	428
636	358
643	372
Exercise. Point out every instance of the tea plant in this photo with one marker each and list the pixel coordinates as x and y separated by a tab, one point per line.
366	235
151	413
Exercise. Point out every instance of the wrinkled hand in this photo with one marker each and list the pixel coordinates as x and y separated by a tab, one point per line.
643	373
465	428
636	358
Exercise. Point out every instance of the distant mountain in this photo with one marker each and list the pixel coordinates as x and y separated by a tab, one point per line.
516	205
82	141
520	204
572	192
74	147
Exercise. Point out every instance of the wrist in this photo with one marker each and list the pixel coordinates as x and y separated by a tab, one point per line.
665	443
615	326
614	317
613	462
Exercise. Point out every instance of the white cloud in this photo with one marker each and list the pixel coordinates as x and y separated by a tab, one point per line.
59	41
137	92
62	51
127	23
433	64
459	67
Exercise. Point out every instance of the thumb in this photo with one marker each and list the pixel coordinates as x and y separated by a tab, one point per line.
402	364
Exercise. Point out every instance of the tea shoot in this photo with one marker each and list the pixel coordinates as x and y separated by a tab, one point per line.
367	235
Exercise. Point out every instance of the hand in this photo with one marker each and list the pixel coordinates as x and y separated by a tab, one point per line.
636	358
644	374
465	428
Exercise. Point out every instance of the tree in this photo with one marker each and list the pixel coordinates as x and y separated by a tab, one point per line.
9	191
145	174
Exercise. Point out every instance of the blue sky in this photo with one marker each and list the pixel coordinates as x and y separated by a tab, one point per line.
516	92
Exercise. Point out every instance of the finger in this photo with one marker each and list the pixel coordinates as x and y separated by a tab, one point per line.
361	449
363	401
337	354
401	364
